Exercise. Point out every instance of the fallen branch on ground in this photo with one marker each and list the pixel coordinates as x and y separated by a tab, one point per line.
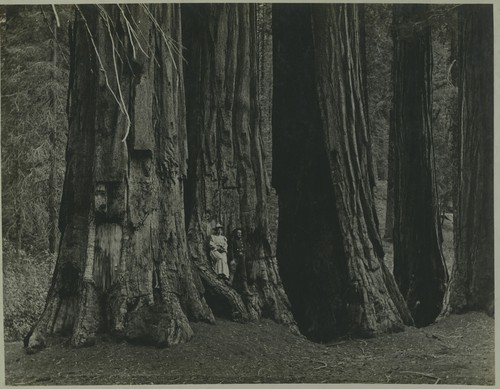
438	337
449	336
321	367
421	374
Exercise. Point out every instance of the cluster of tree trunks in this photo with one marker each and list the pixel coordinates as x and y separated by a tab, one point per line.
330	253
162	147
419	266
131	257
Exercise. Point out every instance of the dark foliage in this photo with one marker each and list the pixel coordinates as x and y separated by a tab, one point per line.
34	90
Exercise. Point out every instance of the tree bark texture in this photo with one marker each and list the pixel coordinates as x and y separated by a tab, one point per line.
265	77
227	180
123	266
472	280
329	249
419	266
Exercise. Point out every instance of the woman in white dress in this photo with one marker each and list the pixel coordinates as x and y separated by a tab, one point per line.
218	252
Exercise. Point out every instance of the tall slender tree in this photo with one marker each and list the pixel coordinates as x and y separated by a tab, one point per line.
389	211
52	184
472	279
419	266
123	264
329	249
377	26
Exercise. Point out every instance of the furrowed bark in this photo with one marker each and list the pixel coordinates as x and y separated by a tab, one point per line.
472	280
227	180
123	266
329	248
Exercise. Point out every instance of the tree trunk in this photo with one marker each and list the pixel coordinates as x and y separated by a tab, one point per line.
123	266
472	280
453	131
419	266
389	211
52	192
265	76
227	181
329	249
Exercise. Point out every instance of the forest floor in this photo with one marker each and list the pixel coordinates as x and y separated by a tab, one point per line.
456	350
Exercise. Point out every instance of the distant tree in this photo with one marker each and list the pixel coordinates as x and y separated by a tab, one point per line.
419	266
34	90
123	265
378	72
444	101
389	211
227	178
329	249
53	200
472	280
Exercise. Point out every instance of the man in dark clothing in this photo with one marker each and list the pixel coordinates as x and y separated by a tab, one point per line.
238	264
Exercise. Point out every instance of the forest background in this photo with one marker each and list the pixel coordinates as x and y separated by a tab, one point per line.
35	73
35	70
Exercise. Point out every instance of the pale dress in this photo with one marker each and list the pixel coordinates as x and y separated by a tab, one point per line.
220	258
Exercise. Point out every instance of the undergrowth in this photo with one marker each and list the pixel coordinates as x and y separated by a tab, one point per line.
26	279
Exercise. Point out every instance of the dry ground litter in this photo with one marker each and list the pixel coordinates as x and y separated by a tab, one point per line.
457	350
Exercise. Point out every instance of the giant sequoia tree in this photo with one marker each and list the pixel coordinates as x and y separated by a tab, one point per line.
227	179
131	253
329	249
419	266
472	280
123	264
